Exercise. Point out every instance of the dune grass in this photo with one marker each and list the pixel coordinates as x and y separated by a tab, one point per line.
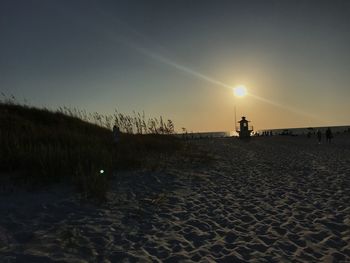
39	147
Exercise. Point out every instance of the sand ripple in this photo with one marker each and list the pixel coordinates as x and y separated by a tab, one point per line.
276	199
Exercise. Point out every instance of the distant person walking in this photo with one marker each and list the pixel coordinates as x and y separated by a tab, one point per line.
319	136
116	134
329	135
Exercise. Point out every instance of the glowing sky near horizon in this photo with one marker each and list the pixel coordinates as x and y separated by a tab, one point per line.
181	59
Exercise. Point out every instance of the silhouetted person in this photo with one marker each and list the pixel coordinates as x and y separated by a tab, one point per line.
319	136
116	134
329	135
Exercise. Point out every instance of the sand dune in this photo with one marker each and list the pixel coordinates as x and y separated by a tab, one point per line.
274	199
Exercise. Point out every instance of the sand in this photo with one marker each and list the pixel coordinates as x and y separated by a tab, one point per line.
273	199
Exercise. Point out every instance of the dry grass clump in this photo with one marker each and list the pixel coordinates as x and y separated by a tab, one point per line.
39	146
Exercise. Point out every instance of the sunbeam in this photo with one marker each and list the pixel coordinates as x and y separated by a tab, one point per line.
211	80
126	41
286	107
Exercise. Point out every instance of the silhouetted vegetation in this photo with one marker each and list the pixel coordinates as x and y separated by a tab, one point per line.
40	146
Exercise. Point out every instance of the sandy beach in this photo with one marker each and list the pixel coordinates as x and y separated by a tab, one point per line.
272	199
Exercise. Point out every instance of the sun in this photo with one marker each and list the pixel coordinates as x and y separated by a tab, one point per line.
240	91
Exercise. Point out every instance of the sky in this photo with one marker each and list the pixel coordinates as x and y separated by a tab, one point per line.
180	59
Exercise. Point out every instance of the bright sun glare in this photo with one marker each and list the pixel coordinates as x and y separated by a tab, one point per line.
240	91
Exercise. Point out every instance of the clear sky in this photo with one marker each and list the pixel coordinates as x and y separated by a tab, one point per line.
179	59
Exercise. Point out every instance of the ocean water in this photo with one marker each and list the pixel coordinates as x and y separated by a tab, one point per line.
284	131
306	130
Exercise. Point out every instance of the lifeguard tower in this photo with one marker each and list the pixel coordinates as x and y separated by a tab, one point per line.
244	129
